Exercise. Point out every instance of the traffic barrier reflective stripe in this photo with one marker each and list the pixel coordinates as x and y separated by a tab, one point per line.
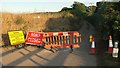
58	39
65	33
67	39
55	34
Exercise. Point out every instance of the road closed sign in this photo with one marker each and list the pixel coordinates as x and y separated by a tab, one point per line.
16	37
34	38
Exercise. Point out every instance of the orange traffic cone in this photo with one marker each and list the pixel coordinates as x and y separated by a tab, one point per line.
93	49
110	48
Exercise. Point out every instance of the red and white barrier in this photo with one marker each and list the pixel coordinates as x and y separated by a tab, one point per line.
61	39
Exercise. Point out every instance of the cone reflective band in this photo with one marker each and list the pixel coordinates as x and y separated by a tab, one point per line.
110	43
110	48
16	37
93	45
34	38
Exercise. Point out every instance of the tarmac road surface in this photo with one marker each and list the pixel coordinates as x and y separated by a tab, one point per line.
33	56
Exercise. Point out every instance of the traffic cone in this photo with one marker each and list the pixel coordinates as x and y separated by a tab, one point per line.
110	49
93	49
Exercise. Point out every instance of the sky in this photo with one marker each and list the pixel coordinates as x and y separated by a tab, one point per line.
20	6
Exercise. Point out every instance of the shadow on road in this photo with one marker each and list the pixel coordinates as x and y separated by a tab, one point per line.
59	59
25	57
8	52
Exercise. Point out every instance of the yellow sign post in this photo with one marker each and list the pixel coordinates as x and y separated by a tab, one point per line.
16	37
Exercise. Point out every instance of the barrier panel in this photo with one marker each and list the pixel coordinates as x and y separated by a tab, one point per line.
34	38
61	39
54	39
16	37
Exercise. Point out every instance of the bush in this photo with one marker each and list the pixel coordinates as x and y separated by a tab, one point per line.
19	20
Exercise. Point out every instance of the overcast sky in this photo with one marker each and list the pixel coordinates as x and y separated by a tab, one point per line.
19	6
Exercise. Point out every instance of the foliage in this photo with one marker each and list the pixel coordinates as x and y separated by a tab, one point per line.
65	9
80	12
79	9
117	6
19	20
104	19
111	16
90	10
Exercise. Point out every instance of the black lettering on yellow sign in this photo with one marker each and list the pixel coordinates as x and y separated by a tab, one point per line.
16	37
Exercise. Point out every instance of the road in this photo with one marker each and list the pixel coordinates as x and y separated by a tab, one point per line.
33	56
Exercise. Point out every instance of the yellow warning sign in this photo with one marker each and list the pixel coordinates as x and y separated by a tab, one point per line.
16	37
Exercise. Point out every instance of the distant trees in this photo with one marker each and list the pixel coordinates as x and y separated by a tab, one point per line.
105	17
91	10
65	9
111	20
117	6
79	9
